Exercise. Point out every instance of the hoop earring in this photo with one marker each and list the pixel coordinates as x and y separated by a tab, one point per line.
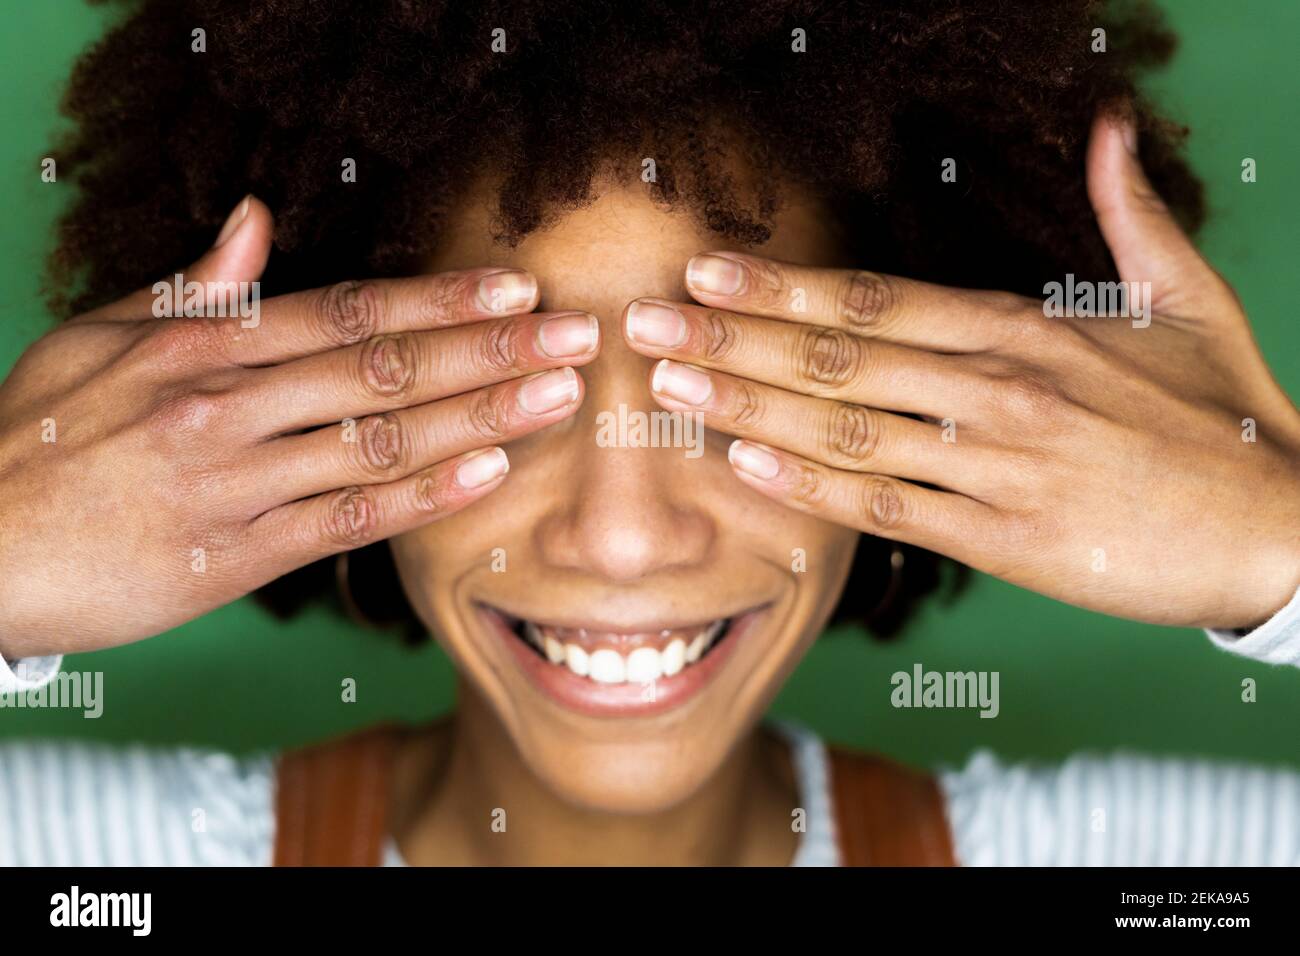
896	561
343	584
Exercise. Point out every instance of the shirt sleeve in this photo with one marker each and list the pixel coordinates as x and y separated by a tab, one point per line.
28	673
84	804
1123	810
1276	641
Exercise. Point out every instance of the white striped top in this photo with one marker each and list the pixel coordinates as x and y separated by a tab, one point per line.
77	804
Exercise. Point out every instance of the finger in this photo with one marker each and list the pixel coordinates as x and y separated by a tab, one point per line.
865	303
348	313
1145	240
383	448
876	504
840	434
411	368
238	254
317	527
811	359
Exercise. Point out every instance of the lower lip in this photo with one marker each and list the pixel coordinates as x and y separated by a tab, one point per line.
620	700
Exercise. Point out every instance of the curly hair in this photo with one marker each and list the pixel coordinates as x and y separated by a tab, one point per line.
426	95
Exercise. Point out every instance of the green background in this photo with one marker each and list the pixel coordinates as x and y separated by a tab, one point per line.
1070	679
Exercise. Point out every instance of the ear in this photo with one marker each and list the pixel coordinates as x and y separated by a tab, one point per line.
1146	242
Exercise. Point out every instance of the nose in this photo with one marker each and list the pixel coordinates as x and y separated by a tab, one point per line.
630	508
633	510
624	522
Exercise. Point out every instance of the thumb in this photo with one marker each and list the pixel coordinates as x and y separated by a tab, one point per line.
1146	242
241	248
238	254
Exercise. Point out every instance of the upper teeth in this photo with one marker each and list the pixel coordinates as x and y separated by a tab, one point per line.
607	665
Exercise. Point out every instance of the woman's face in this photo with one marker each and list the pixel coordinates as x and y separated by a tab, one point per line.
621	559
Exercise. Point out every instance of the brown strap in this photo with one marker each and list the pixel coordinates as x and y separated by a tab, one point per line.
332	806
331	801
887	814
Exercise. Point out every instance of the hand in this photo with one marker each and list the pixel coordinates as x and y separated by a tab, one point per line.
154	469
1093	460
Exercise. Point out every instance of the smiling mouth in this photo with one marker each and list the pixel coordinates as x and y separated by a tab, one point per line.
604	672
613	657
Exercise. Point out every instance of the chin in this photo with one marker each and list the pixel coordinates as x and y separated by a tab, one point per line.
628	713
650	776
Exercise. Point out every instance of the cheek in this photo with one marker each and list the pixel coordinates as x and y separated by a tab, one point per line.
840	545
418	555
489	533
815	553
819	567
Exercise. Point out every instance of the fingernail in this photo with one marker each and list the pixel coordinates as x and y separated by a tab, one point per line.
233	222
681	382
753	459
717	275
1129	134
649	323
507	291
479	469
548	391
569	335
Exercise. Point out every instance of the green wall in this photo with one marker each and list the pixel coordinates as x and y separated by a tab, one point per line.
1070	679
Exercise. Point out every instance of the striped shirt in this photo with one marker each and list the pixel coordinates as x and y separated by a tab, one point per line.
81	804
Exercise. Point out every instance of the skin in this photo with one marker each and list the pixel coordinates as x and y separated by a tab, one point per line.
1132	398
1066	429
212	423
696	545
177	435
1073	434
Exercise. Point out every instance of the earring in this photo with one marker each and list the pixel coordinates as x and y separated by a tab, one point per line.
343	583
896	560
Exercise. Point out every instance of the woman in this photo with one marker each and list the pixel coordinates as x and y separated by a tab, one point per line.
567	219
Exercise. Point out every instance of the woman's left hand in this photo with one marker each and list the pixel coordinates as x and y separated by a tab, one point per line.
1146	467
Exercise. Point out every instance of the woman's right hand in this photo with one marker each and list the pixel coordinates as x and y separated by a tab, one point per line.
154	469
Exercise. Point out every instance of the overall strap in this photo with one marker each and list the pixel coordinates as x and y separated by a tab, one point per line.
887	814
331	806
331	801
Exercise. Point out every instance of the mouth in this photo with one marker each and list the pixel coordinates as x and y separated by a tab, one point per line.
611	657
602	670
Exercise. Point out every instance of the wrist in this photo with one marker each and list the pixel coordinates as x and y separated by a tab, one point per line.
1270	588
20	641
